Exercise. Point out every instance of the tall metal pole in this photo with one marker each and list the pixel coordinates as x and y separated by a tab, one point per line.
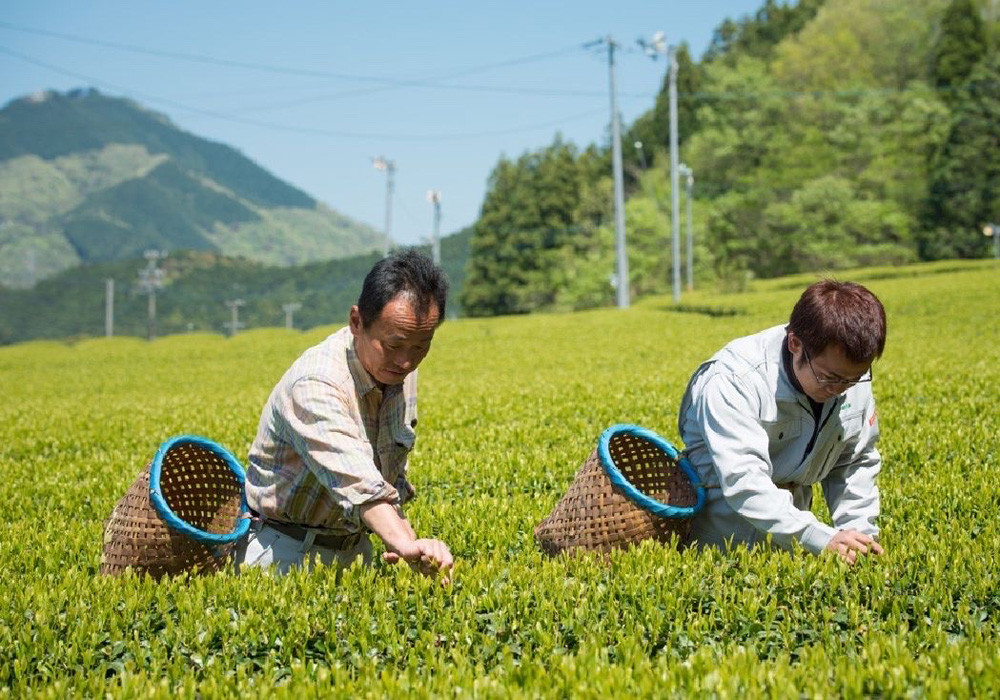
616	160
109	307
29	264
234	308
994	231
675	215
389	167
290	310
151	279
434	197
688	174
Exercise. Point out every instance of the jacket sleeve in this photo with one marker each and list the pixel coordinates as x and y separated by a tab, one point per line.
331	444
850	489
728	411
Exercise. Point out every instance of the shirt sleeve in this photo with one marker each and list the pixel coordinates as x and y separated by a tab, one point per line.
331	443
728	412
850	489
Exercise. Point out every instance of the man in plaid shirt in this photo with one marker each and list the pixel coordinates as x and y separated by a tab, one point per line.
329	462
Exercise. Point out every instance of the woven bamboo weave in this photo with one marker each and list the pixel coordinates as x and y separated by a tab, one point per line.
654	497
203	497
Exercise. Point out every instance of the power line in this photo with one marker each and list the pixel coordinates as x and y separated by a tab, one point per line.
286	127
434	82
286	70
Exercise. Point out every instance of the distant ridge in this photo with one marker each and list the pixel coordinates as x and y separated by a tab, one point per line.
85	177
71	304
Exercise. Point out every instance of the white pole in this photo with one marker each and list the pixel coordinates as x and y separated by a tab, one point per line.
109	307
675	218
434	197
690	237
616	160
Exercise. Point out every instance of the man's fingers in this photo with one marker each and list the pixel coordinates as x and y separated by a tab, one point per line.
850	543
390	557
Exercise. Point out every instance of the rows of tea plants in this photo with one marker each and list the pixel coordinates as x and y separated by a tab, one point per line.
509	409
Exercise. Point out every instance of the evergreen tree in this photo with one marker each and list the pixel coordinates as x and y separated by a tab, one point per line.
965	175
757	36
961	45
527	221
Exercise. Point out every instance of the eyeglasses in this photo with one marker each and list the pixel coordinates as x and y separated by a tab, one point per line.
831	381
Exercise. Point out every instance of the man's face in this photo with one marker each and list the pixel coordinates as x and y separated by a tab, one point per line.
396	342
826	375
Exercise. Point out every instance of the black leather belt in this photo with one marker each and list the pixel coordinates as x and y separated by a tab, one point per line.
299	532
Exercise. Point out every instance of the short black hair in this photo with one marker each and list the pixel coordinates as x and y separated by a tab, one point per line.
404	271
840	313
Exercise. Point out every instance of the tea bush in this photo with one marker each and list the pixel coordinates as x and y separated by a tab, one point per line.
509	409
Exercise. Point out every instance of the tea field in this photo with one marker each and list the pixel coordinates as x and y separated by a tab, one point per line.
509	409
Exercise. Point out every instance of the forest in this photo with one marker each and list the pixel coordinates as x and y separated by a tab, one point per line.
821	135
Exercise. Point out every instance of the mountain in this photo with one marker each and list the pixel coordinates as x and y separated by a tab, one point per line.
71	304
87	178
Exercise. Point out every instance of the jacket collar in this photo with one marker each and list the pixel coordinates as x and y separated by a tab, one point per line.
788	388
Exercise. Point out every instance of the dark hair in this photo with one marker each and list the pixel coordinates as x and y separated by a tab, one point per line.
841	313
404	271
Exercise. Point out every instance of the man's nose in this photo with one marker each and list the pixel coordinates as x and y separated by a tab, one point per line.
404	361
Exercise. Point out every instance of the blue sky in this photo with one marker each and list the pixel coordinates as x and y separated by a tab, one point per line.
313	90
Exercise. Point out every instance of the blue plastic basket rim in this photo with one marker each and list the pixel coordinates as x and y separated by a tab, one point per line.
171	518
640	499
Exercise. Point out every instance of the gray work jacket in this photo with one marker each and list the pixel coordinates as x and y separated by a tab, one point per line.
746	430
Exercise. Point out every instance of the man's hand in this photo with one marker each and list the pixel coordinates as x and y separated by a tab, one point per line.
426	556
849	543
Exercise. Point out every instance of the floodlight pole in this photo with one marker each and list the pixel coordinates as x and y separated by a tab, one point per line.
389	166
653	48
434	197
994	231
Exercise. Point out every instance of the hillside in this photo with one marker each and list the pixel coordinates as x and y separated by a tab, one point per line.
197	285
89	178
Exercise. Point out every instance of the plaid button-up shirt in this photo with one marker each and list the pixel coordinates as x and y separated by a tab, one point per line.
331	440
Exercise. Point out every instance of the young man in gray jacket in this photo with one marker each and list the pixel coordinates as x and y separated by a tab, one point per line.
773	413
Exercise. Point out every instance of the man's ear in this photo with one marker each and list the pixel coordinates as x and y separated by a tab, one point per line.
794	344
355	321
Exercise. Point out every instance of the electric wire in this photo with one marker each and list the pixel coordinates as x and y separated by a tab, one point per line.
297	129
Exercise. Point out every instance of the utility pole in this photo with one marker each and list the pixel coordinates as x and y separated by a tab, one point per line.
151	279
621	253
29	264
389	167
653	48
675	195
234	308
290	309
434	197
688	174
109	307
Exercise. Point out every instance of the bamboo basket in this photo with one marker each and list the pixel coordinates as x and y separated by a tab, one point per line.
185	512
634	486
